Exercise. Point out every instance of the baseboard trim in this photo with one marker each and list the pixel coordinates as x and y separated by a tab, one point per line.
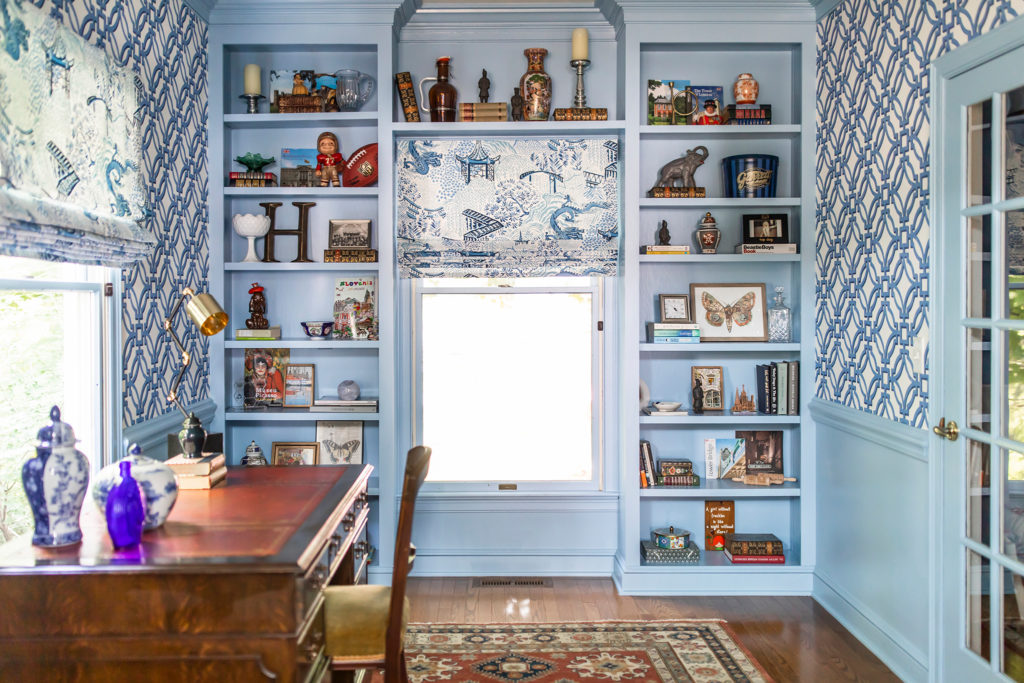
151	434
896	437
901	657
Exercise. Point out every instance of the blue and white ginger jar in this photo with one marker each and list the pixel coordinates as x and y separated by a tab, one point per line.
55	482
159	487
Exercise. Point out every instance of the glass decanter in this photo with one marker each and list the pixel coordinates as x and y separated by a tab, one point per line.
780	320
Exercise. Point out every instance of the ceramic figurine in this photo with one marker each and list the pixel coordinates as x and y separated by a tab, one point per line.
517	105
663	234
328	159
159	487
254	456
55	482
536	86
124	509
708	235
485	86
745	89
257	306
698	397
681	170
253	162
298	85
442	96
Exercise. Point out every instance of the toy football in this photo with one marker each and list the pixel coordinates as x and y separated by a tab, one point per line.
361	168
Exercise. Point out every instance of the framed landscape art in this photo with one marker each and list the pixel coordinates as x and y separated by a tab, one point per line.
728	312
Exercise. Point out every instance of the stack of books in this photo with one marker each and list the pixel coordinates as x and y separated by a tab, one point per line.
252	179
673	333
483	111
662	192
778	388
199	473
754	549
581	114
748	114
337	405
270	334
665	249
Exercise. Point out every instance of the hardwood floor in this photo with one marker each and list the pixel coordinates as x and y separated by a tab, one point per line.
794	639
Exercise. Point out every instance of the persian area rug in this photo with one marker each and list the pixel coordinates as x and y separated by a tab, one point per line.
703	650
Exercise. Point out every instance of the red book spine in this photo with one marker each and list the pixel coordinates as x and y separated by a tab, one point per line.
757	559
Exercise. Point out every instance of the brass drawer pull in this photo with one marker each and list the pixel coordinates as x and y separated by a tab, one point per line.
319	577
348	522
335	544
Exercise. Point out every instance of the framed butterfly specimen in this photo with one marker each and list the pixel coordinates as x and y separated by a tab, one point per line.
730	311
341	441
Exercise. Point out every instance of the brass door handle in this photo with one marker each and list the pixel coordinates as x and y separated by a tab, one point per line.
948	430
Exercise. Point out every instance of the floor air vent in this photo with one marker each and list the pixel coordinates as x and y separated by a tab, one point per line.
511	582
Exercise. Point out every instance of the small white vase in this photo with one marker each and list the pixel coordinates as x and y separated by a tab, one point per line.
251	226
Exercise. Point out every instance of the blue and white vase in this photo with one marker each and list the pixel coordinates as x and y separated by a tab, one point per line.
159	487
55	482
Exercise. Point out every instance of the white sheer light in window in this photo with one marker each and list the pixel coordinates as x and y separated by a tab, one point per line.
507	391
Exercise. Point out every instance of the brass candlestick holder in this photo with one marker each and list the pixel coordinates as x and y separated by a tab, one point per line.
580	101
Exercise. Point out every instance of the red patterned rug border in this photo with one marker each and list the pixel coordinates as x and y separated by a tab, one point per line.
750	657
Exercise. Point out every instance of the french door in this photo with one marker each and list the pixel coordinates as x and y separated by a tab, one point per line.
979	362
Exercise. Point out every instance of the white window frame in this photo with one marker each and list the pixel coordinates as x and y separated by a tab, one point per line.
594	287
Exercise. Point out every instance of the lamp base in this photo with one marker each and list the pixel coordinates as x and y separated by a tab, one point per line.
192	437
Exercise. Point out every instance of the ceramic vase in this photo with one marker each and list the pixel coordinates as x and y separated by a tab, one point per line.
159	487
535	86
55	482
745	89
124	509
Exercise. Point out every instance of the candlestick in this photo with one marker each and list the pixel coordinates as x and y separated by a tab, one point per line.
252	80
580	46
253	102
580	100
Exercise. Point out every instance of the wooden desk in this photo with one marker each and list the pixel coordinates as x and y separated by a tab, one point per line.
229	589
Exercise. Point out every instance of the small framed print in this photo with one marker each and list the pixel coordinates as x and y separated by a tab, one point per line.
675	308
766	228
348	233
710	378
298	385
726	312
293	453
341	441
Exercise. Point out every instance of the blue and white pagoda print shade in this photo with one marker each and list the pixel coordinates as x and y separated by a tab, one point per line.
71	181
504	207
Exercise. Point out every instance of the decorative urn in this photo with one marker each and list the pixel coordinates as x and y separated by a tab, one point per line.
708	235
55	482
535	86
159	487
254	456
745	89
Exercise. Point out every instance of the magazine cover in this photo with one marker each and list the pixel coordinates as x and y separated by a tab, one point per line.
355	309
709	105
724	458
264	377
763	451
666	103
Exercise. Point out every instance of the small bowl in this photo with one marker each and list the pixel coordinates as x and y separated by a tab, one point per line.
315	328
667	406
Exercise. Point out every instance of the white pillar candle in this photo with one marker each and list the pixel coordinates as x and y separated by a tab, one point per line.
579	43
252	79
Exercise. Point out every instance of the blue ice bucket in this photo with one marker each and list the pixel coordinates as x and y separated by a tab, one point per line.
750	175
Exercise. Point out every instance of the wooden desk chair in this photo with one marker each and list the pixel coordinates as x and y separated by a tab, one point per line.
366	624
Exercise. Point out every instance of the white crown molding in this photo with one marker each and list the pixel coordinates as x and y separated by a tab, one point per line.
621	12
202	7
505	22
823	7
389	12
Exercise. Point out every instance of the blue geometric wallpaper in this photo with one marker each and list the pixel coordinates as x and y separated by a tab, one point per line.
165	42
872	279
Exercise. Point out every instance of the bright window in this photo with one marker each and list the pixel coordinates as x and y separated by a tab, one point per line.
52	340
508	378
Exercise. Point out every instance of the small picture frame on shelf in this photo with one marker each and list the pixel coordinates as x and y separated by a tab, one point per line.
295	453
298	385
341	441
766	228
674	308
711	380
349	233
730	312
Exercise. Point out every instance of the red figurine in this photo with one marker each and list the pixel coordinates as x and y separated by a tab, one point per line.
710	115
257	306
329	159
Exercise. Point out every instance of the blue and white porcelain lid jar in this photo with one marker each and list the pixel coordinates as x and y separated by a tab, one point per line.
156	481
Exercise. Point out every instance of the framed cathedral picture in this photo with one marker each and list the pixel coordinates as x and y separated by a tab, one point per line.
711	381
726	312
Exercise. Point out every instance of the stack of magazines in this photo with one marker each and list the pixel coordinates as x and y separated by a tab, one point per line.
336	405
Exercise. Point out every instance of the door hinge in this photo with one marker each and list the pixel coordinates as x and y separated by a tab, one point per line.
600	326
108	289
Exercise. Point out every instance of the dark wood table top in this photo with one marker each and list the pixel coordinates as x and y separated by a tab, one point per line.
262	517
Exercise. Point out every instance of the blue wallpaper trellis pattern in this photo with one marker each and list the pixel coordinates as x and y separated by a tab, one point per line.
165	42
873	228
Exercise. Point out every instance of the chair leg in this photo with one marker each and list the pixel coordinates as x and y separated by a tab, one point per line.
401	664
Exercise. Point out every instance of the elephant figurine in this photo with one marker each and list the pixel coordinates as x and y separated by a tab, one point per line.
682	169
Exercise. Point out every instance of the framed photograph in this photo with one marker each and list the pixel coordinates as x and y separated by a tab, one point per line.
727	312
295	453
766	228
347	233
341	442
298	385
711	379
675	308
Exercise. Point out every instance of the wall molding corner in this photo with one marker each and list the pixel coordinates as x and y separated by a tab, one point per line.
151	434
903	439
823	7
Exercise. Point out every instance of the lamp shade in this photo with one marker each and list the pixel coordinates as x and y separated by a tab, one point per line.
207	314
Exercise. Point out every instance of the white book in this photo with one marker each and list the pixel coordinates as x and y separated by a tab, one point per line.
783	388
710	460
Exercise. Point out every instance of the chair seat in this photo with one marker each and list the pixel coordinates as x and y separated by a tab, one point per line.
356	620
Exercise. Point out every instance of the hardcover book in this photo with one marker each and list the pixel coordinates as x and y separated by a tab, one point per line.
673	467
201	481
355	309
719	519
724	458
763	451
666	102
199	466
678	192
753	544
407	96
709	105
754	559
581	114
264	377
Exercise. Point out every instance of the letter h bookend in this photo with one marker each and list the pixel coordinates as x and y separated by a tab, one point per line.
301	232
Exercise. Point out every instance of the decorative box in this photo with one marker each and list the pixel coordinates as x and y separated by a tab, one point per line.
299	104
670	537
652	554
750	175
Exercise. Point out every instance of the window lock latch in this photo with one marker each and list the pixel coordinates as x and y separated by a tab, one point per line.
108	289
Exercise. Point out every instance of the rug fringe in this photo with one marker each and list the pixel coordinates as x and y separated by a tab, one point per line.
586	621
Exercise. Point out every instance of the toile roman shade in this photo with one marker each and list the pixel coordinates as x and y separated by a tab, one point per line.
71	180
507	207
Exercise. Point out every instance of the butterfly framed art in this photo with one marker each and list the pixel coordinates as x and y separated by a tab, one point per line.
727	312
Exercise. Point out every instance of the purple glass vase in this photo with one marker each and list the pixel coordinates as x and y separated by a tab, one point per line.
125	511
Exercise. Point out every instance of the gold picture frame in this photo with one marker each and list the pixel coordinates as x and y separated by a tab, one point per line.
293	453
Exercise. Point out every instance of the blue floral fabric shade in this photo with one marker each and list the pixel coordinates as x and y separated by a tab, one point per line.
71	181
499	207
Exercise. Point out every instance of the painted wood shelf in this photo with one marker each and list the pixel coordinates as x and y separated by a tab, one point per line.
299	267
720	258
299	192
721	347
471	128
293	415
712	488
722	132
299	343
716	559
332	119
726	418
718	202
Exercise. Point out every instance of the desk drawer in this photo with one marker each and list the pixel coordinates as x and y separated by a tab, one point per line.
343	538
309	654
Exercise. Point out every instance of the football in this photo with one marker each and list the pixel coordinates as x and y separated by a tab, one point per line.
361	168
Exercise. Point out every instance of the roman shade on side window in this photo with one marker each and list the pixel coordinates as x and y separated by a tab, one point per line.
71	179
507	207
